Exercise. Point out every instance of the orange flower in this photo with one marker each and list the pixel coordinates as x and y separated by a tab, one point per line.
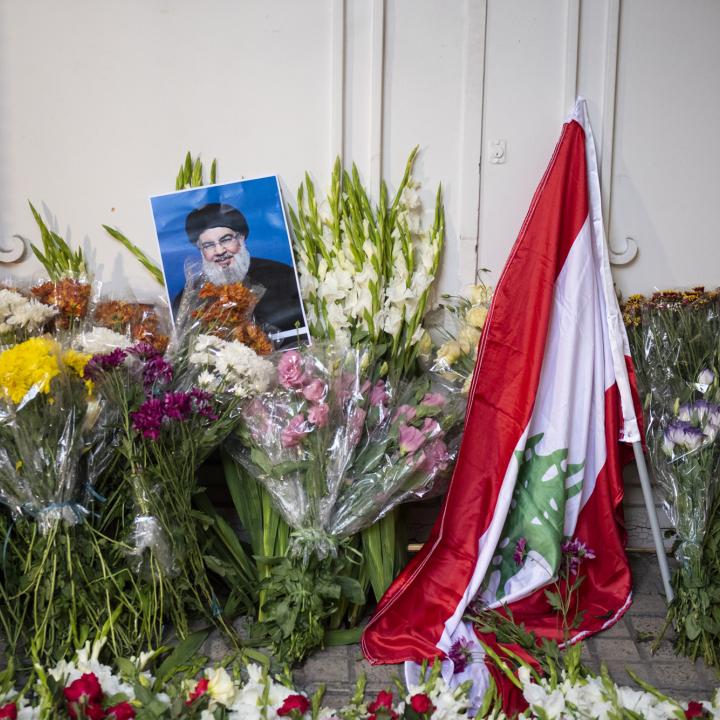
71	297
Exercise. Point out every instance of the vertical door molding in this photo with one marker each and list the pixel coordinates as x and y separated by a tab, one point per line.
377	77
572	44
337	81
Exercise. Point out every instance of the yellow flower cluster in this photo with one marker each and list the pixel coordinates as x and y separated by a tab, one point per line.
33	363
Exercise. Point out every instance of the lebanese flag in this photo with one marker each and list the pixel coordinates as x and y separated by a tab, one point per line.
551	398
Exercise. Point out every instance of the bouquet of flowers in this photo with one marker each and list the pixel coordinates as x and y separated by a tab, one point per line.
68	288
139	321
337	449
680	361
49	548
171	413
21	317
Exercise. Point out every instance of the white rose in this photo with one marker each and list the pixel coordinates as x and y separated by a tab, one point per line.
221	687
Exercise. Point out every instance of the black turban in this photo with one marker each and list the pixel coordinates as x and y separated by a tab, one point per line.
215	215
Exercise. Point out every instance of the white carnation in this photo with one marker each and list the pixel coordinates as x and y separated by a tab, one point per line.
221	687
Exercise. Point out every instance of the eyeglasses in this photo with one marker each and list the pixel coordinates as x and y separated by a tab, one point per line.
224	242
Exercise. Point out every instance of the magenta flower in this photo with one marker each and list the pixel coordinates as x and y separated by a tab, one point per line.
315	391
290	370
148	418
411	439
431	428
378	395
156	369
294	432
437	457
520	551
104	361
435	399
318	414
575	552
203	404
460	654
356	424
177	405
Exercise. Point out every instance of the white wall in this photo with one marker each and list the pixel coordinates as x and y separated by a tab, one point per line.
100	99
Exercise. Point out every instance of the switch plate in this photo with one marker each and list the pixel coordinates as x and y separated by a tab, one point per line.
498	151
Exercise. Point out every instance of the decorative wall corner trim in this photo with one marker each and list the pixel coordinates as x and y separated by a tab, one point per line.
14	253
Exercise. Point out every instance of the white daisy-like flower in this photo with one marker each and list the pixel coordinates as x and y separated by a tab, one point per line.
100	340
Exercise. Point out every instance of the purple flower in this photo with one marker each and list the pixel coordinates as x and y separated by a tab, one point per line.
575	552
411	439
460	654
356	423
520	551
148	418
405	412
142	350
203	403
431	428
294	432
156	369
104	361
177	405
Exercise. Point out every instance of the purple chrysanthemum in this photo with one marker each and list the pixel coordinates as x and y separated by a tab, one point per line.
177	405
460	654
203	404
576	551
156	369
148	418
104	361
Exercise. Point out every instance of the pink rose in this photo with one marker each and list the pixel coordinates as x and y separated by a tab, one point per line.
290	369
318	414
435	399
430	427
378	395
405	412
293	433
436	457
411	439
315	391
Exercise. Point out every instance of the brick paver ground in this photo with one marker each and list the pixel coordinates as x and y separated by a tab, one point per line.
625	645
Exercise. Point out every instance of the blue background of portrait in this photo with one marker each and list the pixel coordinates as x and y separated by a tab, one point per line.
259	200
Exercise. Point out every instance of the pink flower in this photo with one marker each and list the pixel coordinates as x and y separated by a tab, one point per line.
9	711
121	711
695	709
435	399
520	551
436	456
290	369
431	428
378	395
315	391
318	414
405	412
200	689
356	423
294	705
421	704
293	433
411	439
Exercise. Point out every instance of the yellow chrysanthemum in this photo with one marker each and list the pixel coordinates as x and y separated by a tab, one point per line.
76	360
32	363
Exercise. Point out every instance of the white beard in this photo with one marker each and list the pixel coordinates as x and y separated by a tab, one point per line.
235	272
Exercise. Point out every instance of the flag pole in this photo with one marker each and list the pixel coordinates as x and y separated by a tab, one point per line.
652	516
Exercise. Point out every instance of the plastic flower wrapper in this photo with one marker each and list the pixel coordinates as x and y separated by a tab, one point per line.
336	449
223	310
681	362
49	544
21	317
141	322
167	426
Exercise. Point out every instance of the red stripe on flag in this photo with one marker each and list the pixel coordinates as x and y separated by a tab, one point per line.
410	618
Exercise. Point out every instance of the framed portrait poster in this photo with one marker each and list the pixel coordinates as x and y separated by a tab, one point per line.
229	233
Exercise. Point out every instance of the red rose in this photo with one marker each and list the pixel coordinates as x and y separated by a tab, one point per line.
94	711
9	711
382	706
694	709
200	689
420	703
294	704
121	711
85	689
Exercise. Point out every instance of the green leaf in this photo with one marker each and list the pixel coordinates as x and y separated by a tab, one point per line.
183	652
351	589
